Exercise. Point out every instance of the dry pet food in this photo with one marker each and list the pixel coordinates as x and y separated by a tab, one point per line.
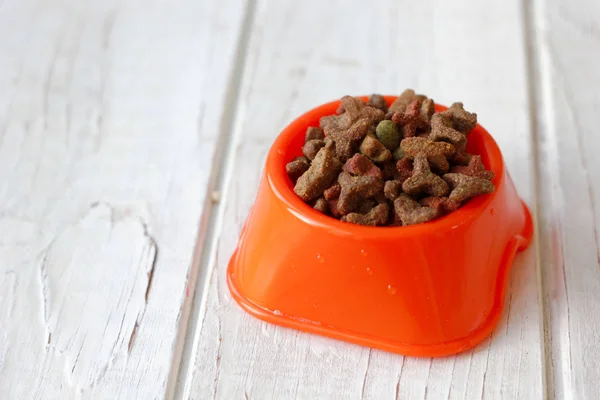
375	165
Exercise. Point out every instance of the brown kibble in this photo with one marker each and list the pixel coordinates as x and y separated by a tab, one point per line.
321	174
402	102
326	120
312	147
443	205
388	170
392	189
321	205
409	212
378	101
427	110
399	165
330	144
365	206
333	208
442	131
475	168
356	189
437	152
313	133
462	120
410	120
347	129
423	181
404	168
378	215
361	165
375	150
297	167
460	158
464	186
333	192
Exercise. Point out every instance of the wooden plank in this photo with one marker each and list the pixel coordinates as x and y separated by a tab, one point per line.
110	113
302	54
568	103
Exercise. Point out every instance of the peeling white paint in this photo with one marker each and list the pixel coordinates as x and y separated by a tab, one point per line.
94	279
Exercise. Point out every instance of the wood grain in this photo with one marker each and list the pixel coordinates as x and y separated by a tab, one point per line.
568	102
110	113
297	58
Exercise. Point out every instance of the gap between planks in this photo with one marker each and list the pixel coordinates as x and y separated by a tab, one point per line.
540	104
212	219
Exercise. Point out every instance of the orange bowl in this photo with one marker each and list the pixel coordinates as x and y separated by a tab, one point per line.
432	289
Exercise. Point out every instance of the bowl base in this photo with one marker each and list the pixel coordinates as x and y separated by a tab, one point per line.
519	243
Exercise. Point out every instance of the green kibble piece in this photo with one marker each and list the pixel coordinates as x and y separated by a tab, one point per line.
398	154
388	134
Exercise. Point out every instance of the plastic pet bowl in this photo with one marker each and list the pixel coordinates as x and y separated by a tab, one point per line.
432	289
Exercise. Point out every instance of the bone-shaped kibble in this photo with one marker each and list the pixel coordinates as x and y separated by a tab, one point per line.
321	174
410	120
356	189
378	215
378	101
475	168
441	130
409	212
443	205
423	181
347	129
462	120
437	152
464	186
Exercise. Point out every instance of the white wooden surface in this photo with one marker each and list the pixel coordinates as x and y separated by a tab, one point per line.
132	136
109	117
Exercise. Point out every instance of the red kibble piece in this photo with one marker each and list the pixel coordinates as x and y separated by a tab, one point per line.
403	101
410	120
443	205
475	168
404	168
460	158
333	192
361	165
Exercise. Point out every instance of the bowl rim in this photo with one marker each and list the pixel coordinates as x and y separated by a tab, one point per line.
278	181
